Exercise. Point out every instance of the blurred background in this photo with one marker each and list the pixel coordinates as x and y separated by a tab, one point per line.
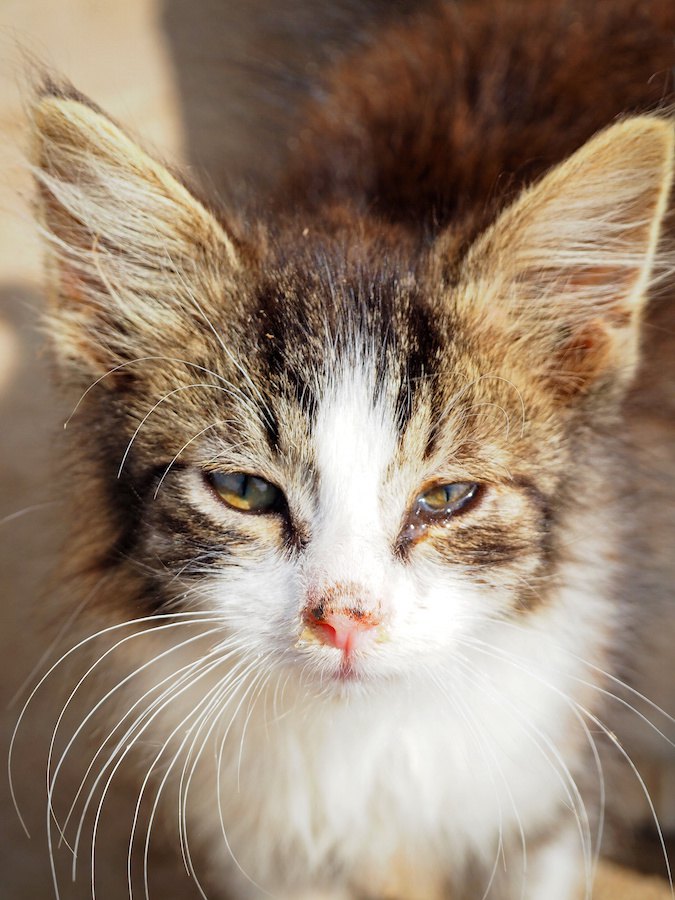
213	85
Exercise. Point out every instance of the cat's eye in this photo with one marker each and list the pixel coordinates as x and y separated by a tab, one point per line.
445	499
244	492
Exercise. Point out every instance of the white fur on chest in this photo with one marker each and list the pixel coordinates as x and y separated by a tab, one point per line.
343	788
466	730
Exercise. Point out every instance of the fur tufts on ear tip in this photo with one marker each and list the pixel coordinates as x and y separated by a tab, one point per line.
59	117
132	252
74	140
571	262
647	138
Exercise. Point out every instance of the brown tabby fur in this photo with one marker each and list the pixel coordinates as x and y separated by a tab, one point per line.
416	215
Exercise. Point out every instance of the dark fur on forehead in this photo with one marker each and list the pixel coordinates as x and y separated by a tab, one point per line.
332	296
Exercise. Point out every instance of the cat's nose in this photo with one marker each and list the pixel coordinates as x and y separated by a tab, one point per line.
345	629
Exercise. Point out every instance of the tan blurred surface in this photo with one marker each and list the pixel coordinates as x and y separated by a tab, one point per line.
115	52
617	883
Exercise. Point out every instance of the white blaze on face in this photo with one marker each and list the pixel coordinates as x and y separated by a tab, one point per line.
350	561
354	440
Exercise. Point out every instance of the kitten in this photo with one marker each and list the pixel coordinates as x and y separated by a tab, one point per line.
363	493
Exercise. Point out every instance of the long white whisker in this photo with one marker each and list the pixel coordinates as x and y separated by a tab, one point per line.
172	695
141	359
219	793
184	447
20	513
167	396
184	787
615	741
181	679
89	671
482	745
210	700
264	677
616	697
51	784
201	711
562	773
39	665
153	661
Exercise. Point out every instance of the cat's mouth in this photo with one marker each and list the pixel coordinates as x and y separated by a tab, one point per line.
347	664
347	671
352	670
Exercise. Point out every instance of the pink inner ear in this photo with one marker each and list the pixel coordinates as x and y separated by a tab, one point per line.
582	359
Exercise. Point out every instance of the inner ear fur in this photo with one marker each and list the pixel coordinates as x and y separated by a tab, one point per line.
566	269
131	252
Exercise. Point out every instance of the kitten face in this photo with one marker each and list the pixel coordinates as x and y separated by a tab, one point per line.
352	421
354	373
351	441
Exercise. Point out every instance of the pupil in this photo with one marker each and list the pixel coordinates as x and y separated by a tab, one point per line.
256	489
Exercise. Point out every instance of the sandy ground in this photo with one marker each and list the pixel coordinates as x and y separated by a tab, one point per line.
121	54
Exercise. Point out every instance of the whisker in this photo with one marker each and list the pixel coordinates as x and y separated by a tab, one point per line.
562	773
185	783
209	701
464	712
184	447
167	396
50	671
202	710
129	712
219	795
20	513
130	737
141	359
618	681
615	741
63	630
92	667
264	678
202	671
612	737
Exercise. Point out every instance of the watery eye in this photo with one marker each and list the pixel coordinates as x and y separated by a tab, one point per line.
445	499
247	493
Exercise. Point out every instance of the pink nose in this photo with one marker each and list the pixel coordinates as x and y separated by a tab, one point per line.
346	629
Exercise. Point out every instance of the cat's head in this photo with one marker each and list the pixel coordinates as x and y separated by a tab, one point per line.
358	451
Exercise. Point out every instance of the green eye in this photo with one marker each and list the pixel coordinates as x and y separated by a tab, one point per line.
446	499
247	493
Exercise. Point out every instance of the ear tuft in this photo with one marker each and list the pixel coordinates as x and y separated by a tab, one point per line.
567	268
131	249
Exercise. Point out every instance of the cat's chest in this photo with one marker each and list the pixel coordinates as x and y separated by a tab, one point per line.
384	787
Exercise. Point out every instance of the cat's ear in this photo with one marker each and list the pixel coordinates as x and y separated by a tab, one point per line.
566	269
132	253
